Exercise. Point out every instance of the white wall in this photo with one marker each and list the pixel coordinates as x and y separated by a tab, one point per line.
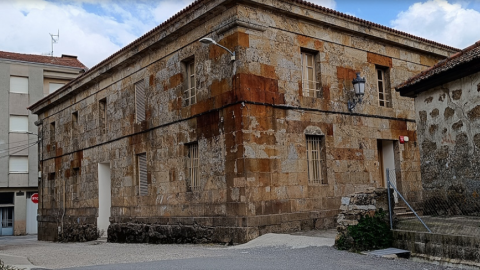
104	197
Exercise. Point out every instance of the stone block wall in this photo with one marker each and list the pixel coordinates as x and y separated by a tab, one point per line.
449	139
362	204
250	122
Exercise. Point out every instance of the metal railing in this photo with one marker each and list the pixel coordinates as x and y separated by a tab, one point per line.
445	208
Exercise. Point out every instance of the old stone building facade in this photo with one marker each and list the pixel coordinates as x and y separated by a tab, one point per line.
194	147
448	112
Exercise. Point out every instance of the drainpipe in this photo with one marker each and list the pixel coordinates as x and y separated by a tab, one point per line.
63	214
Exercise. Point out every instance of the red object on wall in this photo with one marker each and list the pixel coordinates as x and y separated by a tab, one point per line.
34	198
401	139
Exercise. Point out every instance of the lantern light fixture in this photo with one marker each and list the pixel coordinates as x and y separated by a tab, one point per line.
359	90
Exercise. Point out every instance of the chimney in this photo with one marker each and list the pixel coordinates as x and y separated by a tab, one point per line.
69	56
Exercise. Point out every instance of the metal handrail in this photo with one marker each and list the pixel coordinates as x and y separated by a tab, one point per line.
399	194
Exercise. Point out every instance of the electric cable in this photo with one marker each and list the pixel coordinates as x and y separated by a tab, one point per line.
17	146
9	154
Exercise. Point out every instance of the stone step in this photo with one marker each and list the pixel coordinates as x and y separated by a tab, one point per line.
399	209
404	215
469	226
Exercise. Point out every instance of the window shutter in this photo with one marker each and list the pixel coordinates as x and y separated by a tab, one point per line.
142	174
18	123
19	164
19	85
52	87
140	101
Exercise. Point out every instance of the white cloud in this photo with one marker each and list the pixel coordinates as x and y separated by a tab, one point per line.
90	29
439	20
92	33
324	3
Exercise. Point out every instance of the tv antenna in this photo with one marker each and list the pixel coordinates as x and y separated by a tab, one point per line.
55	39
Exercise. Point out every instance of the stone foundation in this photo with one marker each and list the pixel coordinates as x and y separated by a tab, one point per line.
203	230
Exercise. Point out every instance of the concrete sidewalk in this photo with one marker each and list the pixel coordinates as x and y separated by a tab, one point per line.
17	261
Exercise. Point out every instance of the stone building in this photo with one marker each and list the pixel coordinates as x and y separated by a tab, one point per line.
168	140
447	106
24	79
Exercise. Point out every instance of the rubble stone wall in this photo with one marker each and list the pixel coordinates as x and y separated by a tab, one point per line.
362	204
251	120
449	139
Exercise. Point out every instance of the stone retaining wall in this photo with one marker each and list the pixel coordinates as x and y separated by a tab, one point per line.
361	204
456	249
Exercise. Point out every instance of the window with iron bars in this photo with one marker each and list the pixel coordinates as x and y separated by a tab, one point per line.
190	93
193	181
310	86
316	159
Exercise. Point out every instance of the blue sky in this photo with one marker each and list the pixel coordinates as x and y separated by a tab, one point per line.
95	29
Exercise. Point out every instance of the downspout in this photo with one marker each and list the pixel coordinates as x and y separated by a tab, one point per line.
63	214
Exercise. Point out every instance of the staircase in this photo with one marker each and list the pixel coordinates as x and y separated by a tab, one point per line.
403	212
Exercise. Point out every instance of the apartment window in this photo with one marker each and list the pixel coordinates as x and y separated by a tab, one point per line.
140	101
18	123
52	87
52	132
190	93
18	164
193	181
19	85
7	216
6	197
142	174
102	114
316	159
310	86
383	86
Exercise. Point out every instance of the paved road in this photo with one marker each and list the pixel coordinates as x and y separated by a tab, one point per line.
315	258
307	250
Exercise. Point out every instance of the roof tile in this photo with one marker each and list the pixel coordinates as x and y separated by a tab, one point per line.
65	60
466	55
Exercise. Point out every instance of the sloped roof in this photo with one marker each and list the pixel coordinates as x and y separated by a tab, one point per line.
65	60
197	3
458	61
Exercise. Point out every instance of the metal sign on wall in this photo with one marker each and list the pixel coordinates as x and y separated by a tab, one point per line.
34	198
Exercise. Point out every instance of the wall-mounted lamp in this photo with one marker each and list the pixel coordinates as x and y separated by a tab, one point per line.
211	41
359	88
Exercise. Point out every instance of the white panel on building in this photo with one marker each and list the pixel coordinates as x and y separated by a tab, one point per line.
18	123
18	164
31	215
52	87
19	85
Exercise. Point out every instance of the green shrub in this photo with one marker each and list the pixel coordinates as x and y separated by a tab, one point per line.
8	267
370	233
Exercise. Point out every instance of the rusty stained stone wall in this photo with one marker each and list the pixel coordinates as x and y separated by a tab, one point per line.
251	140
449	140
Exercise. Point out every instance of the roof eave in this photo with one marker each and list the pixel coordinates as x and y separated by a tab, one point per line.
452	74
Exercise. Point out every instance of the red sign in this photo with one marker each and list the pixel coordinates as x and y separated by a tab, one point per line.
402	139
34	198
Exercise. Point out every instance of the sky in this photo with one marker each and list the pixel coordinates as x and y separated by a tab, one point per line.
95	29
